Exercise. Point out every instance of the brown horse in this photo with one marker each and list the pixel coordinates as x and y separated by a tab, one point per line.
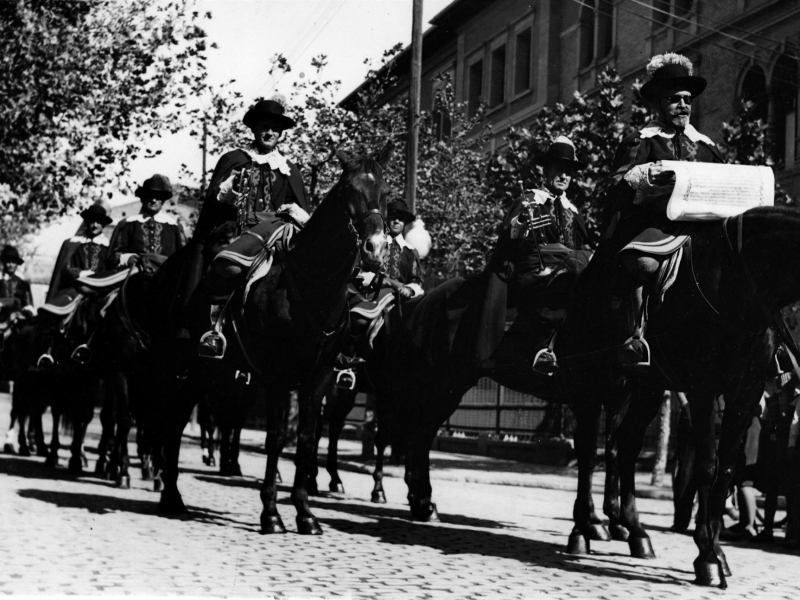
292	326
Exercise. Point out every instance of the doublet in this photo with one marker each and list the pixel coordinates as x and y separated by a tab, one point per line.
137	234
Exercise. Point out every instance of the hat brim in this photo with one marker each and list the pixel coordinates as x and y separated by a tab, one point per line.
12	259
87	215
157	194
691	83
545	160
406	216
282	121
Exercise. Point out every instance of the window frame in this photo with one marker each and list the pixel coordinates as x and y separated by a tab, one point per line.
526	24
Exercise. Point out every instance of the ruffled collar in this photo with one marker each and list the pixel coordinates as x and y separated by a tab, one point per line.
401	241
275	160
159	217
542	196
100	240
656	128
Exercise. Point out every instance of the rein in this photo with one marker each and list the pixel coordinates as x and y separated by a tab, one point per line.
778	325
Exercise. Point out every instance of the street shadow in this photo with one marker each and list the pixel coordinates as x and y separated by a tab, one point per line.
34	468
101	504
455	541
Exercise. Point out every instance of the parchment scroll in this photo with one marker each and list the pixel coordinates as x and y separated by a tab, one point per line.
708	191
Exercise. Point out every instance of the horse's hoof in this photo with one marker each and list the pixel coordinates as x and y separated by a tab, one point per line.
171	503
709	575
51	461
619	533
41	452
9	449
23	451
641	547
272	524
123	482
278	478
426	512
308	526
378	497
85	461
726	570
337	488
578	543
158	485
206	460
212	462
100	467
598	532
75	466
147	473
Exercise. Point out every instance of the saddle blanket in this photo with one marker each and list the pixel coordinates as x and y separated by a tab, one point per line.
654	241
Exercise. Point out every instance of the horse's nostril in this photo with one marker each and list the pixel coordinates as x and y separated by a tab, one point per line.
369	246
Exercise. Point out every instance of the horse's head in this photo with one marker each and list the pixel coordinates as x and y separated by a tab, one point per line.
365	190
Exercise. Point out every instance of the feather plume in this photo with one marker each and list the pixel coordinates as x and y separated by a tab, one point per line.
670	58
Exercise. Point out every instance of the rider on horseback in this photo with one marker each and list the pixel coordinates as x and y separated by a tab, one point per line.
83	254
541	229
252	194
641	236
403	277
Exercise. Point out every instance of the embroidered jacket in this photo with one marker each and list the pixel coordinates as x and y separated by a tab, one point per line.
79	256
404	265
137	234
15	293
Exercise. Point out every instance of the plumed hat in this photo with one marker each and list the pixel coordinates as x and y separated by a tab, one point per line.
670	71
158	186
400	208
96	213
10	254
272	109
562	150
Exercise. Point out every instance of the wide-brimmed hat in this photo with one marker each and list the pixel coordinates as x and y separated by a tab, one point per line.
671	71
562	151
96	213
400	208
10	254
271	109
157	186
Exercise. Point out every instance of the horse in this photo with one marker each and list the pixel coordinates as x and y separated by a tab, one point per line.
292	325
707	338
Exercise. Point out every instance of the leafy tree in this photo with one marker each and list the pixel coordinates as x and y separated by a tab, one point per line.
85	86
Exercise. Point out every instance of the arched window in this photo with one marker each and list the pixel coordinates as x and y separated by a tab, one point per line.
586	34
754	89
783	100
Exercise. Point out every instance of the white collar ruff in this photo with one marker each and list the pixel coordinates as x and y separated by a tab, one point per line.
655	128
274	159
159	217
401	241
100	240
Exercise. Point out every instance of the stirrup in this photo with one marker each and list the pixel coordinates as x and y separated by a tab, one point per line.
645	362
345	379
82	355
545	362
208	340
46	361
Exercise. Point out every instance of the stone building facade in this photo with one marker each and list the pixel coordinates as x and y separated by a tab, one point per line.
521	55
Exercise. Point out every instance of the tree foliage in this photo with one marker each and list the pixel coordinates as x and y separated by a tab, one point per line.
85	86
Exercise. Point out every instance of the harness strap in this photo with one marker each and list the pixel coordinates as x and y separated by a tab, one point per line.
778	325
126	319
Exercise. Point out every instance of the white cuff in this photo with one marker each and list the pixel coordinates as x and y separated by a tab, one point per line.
416	288
85	273
638	179
123	258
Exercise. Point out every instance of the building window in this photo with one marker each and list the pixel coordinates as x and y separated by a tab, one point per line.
586	35
497	90
605	27
754	89
783	100
475	86
522	60
661	10
683	7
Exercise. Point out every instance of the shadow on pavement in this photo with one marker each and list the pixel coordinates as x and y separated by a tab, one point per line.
34	468
500	545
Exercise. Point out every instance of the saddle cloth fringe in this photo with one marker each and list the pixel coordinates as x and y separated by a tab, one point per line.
64	310
667	273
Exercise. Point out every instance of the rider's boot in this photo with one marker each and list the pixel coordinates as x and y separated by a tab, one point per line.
635	351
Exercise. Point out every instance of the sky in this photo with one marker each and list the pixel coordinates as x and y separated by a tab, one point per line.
250	32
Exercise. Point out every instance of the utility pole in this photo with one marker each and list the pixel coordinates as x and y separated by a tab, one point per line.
413	106
205	146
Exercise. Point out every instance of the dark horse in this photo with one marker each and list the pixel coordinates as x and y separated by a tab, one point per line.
713	334
292	326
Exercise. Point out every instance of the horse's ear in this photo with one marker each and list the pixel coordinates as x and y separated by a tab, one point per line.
344	159
385	155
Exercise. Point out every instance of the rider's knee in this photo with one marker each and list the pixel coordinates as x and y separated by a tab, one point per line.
639	265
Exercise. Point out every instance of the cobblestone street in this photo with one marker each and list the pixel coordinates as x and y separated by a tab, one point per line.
63	535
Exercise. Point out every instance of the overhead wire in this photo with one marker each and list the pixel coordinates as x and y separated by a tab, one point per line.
699	37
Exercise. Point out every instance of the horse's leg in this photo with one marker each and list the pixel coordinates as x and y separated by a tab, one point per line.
309	402
336	420
331	398
8	444
22	435
37	429
630	436
55	439
123	428
381	441
611	492
177	407
277	409
105	447
586	526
